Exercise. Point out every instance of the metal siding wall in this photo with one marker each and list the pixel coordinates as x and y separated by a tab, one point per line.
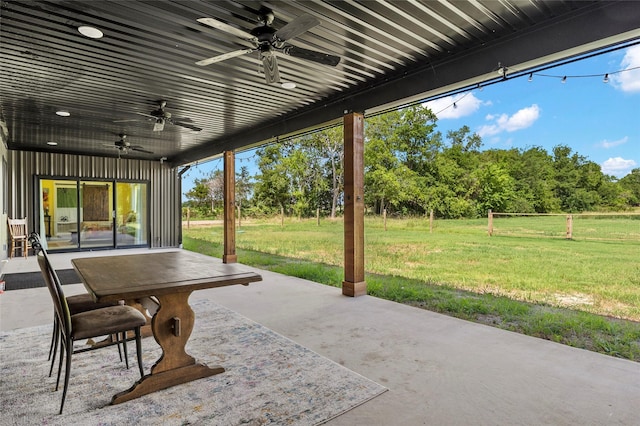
164	213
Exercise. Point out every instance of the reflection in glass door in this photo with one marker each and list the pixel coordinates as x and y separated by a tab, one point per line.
59	213
131	214
96	214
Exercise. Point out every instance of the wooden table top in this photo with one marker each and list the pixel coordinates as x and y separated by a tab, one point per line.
112	278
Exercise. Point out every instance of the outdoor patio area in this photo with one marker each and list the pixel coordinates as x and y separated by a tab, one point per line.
439	370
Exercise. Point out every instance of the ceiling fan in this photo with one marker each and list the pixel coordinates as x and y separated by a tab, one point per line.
161	116
269	42
123	146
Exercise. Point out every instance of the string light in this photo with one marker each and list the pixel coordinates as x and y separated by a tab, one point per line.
604	76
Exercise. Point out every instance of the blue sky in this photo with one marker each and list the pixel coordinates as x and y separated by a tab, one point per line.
600	121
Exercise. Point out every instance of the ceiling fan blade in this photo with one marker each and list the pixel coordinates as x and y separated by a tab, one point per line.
311	55
139	149
124	121
270	66
146	115
219	25
223	57
187	125
296	27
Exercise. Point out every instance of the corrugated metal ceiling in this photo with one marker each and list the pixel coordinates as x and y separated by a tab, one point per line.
390	52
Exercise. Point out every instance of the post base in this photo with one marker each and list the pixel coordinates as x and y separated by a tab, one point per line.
229	258
354	289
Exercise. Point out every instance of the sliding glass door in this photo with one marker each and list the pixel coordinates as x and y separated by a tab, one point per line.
97	214
131	214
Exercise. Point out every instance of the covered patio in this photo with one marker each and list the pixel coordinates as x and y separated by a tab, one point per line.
438	369
136	108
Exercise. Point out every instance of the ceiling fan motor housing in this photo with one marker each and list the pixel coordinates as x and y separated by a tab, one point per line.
264	34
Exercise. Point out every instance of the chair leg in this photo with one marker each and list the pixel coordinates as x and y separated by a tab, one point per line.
118	344
124	348
53	336
57	337
62	352
67	373
139	351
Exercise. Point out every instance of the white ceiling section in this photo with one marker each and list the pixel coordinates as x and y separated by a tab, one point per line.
390	53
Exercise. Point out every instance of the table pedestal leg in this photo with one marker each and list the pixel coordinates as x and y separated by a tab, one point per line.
172	325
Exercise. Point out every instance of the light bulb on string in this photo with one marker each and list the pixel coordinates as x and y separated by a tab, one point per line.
606	78
564	79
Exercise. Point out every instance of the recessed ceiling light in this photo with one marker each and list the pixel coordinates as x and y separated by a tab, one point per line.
63	113
52	143
288	85
90	32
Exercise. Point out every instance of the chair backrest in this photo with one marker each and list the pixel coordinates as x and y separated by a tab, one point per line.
17	227
55	288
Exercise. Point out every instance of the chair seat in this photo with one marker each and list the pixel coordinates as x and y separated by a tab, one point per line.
84	302
110	320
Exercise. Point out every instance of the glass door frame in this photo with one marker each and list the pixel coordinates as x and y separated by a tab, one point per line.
45	223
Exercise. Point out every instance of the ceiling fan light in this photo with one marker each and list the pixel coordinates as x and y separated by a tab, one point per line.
52	143
91	32
62	113
288	85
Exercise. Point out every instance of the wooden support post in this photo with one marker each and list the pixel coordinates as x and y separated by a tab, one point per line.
354	283
229	255
490	228
239	218
569	227
318	216
188	217
281	216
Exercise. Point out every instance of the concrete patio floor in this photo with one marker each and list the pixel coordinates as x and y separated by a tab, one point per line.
439	370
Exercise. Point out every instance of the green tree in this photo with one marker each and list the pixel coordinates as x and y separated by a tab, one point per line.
630	185
198	196
399	147
327	147
271	191
496	189
243	187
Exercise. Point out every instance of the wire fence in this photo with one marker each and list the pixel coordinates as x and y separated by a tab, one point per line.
574	226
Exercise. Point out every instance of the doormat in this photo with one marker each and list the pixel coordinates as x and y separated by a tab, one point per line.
268	379
24	280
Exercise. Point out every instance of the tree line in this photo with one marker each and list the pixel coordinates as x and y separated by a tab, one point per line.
411	168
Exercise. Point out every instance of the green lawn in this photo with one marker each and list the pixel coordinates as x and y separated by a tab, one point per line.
522	283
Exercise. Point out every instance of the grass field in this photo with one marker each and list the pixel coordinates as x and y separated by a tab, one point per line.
524	283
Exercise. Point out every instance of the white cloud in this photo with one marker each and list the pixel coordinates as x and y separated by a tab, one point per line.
505	123
610	144
629	81
465	105
617	166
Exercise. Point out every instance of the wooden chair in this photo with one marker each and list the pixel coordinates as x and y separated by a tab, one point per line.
114	320
77	303
18	234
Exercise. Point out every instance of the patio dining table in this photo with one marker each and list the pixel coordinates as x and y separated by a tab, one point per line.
170	277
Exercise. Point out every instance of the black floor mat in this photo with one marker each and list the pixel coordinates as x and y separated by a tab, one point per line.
34	279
